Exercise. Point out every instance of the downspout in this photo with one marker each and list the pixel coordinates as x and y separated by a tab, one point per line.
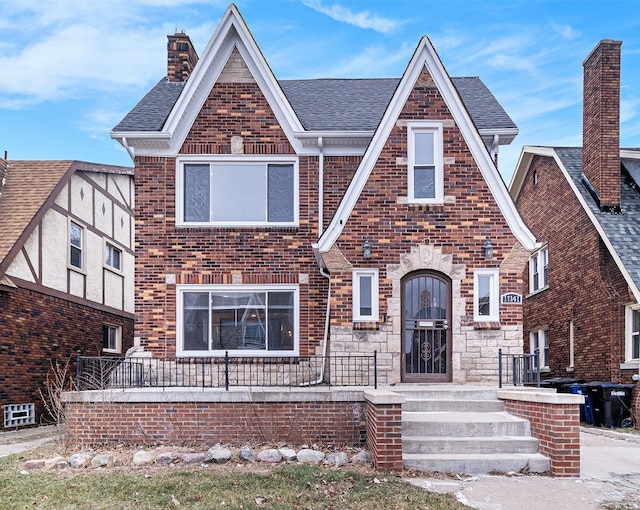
325	339
320	186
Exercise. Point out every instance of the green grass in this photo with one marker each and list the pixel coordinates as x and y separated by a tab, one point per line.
229	487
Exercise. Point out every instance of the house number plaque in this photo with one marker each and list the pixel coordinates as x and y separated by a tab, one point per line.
511	298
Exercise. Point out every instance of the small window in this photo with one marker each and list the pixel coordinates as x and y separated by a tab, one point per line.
365	295
539	340
113	257
75	245
485	292
111	338
539	270
632	334
425	156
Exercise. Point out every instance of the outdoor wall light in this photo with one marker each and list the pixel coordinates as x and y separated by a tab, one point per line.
488	249
366	249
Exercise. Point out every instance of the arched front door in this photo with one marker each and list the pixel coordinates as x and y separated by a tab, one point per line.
426	346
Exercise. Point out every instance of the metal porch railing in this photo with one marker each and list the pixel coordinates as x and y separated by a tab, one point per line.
519	369
97	373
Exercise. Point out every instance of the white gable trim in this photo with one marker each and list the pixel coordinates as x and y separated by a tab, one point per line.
522	170
425	56
231	33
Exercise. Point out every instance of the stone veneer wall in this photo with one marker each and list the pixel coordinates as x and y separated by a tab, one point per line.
474	349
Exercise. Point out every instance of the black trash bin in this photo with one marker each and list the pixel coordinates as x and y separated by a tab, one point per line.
586	409
621	406
561	384
607	397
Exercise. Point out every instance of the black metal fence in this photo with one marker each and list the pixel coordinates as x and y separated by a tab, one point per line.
519	369
97	373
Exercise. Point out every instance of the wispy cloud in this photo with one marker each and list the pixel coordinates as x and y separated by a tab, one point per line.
565	31
362	19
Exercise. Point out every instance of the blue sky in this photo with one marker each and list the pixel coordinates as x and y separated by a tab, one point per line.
72	69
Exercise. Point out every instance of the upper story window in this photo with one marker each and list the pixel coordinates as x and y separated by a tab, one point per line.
425	162
231	192
246	320
365	295
632	337
539	270
113	257
76	234
539	341
486	286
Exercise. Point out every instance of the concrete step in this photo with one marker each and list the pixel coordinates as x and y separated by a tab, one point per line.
468	445
441	405
463	424
447	392
478	463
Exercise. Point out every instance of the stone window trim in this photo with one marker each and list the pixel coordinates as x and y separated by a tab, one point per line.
433	163
182	289
220	161
365	304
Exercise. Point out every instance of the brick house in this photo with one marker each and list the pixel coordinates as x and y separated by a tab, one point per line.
66	272
582	203
296	217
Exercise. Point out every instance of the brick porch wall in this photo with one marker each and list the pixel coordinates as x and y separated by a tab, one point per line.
555	422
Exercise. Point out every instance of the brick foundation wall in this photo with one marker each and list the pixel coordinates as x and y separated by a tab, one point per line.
197	418
555	422
37	330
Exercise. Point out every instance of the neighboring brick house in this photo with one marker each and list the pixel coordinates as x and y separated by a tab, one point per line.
66	273
582	307
297	217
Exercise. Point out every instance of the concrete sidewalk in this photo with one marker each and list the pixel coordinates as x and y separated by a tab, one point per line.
610	473
18	441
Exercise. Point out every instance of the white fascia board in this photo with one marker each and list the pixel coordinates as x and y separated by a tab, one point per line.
231	33
629	154
522	167
426	56
505	136
598	227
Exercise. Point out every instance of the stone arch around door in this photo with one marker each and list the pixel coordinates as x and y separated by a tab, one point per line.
428	259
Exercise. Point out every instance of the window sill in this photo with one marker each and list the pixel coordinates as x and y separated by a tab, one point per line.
631	364
486	325
366	326
536	292
114	270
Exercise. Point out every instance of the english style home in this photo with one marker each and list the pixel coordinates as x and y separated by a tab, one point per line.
298	217
66	273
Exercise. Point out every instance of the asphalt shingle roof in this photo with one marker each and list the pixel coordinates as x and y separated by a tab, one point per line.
623	230
328	104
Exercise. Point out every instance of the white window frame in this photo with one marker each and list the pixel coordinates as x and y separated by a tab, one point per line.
107	248
539	270
494	297
181	289
535	337
630	334
118	333
375	308
234	160
81	247
438	154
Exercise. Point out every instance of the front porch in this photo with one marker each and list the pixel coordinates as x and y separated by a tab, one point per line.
377	418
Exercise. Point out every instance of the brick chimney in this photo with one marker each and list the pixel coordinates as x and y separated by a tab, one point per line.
181	57
601	123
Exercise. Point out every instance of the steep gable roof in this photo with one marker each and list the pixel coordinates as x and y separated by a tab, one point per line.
30	188
620	232
348	108
425	56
